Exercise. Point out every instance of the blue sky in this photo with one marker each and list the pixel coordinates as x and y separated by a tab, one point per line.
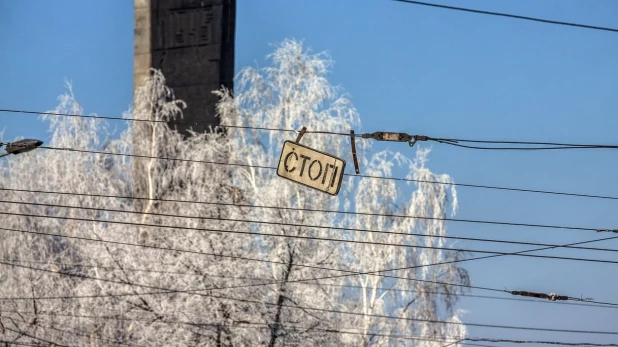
413	69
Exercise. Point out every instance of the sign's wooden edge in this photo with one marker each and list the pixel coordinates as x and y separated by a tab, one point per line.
323	153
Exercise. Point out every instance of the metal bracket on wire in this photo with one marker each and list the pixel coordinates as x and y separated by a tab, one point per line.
353	143
550	297
20	146
300	134
396	137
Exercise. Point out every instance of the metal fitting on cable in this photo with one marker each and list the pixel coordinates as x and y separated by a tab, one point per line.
20	146
395	137
550	297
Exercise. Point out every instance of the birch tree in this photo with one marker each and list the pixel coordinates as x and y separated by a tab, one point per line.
244	236
293	93
135	318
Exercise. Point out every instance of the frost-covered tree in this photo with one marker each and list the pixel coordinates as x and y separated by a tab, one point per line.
234	245
135	318
293	93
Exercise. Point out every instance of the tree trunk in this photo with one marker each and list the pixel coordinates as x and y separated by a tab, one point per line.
274	331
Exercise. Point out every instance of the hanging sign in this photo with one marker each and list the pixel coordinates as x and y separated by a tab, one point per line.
311	168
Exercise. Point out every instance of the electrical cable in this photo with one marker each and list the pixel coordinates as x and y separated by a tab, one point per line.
157	214
129	119
448	141
349	175
196	274
23	333
522	145
84	334
548	21
9	343
239	324
201	202
74	332
349	272
474	221
303	237
590	344
597	332
340	330
523	148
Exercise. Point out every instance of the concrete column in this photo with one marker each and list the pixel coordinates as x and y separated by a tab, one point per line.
192	42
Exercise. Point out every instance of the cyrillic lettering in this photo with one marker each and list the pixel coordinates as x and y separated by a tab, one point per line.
319	172
332	181
302	168
285	162
326	172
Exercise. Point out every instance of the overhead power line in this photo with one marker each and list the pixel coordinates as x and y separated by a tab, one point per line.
16	343
540	342
240	324
24	333
129	119
201	202
350	175
60	266
303	237
312	226
548	21
337	330
473	221
521	145
379	135
346	271
74	332
279	223
307	308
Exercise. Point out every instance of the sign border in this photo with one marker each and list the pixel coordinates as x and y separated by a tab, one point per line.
323	153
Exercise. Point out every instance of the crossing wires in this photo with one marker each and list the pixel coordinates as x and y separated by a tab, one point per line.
330	227
302	237
346	272
56	266
338	330
317	309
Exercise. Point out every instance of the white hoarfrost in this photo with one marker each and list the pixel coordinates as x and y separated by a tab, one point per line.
204	252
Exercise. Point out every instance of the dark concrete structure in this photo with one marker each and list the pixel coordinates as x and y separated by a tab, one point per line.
192	42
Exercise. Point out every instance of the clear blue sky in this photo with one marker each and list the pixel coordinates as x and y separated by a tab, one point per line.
415	69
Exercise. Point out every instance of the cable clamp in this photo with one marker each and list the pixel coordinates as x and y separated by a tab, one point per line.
300	134
395	137
387	136
418	138
353	143
22	146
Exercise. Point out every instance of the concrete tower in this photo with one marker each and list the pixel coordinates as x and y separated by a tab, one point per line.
192	42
